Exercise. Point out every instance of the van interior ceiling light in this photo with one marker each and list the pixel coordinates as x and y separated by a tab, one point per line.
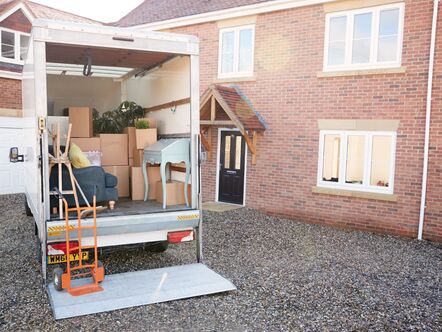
87	69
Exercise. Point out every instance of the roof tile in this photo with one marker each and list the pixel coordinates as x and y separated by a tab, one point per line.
159	10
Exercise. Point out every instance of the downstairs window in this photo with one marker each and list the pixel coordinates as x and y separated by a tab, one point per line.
357	160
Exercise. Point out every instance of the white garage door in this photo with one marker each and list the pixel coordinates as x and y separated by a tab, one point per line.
11	174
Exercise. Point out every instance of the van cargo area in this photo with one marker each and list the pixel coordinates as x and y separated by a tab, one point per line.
150	80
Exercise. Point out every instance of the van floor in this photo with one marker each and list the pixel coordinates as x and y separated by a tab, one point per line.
126	206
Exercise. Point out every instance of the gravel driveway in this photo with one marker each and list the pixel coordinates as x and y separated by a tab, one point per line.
290	276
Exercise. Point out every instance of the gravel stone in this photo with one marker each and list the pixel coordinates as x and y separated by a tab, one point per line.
290	276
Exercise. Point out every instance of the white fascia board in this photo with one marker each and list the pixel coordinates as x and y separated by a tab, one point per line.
10	75
11	11
230	13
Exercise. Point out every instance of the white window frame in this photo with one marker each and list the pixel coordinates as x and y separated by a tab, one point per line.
236	30
373	63
17	36
365	186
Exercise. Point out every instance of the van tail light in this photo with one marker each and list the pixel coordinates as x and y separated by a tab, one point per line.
60	248
181	236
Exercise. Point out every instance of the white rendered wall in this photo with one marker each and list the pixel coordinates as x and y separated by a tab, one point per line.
168	83
100	93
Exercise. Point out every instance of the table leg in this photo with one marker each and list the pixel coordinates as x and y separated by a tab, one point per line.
186	182
163	181
146	180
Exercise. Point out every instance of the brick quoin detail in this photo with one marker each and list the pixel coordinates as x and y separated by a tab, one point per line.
289	95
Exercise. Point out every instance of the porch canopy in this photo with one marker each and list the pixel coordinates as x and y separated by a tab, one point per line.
227	106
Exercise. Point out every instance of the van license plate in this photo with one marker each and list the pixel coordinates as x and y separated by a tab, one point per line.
57	259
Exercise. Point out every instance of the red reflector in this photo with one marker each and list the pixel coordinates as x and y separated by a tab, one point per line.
178	237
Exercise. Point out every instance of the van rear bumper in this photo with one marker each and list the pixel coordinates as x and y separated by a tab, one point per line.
128	229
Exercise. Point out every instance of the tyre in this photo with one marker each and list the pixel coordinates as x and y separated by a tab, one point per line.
158	246
58	275
27	209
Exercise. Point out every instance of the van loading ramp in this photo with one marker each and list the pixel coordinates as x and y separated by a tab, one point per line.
132	289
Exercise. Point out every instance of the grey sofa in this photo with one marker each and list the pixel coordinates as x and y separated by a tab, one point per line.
88	178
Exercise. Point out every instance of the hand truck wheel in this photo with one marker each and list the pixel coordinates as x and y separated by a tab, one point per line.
58	274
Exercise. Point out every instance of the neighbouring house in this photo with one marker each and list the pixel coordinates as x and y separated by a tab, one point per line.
16	18
314	110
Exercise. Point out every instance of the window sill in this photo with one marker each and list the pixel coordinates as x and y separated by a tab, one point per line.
360	72
235	79
354	193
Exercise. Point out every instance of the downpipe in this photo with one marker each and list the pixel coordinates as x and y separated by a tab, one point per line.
428	120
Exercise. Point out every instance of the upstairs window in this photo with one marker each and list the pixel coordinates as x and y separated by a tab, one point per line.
236	51
357	160
14	46
364	38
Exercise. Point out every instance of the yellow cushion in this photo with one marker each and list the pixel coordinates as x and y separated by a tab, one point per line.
77	157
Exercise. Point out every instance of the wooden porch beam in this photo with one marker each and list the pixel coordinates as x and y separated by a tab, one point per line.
251	144
217	123
212	108
205	142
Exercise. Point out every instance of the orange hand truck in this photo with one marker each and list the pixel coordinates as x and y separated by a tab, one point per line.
95	270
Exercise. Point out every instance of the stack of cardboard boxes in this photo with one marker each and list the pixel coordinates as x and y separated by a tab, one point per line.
122	156
113	147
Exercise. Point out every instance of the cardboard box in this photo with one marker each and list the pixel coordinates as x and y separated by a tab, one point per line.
114	150
152	122
137	182
174	192
138	157
87	144
181	199
145	137
122	174
130	131
81	119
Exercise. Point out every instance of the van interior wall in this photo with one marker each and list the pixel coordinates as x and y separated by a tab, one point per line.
168	83
103	94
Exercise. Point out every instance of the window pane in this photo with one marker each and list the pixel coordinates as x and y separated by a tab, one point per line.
245	50
238	152
227	46
24	40
355	159
336	45
8	44
361	38
381	161
330	169
227	153
388	35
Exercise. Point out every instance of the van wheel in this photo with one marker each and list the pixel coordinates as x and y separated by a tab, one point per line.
158	246
38	249
27	209
58	275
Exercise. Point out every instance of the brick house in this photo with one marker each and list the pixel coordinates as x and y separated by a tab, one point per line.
342	88
315	109
16	18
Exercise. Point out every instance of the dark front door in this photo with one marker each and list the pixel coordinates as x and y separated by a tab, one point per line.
231	170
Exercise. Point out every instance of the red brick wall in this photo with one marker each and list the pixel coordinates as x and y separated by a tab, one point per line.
291	98
10	93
